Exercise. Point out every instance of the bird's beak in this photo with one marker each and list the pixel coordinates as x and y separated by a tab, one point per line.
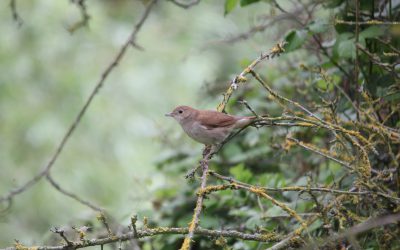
168	114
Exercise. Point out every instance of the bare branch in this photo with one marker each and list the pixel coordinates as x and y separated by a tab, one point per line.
141	233
376	60
275	51
306	189
84	16
62	235
360	228
75	123
369	22
17	18
71	195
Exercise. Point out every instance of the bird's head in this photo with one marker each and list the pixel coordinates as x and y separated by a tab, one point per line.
182	113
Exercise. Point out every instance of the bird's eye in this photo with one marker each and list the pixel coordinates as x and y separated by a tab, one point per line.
180	111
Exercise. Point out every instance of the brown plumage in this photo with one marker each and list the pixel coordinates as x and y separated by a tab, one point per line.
207	126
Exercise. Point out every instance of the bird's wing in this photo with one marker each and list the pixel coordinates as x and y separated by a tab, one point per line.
213	119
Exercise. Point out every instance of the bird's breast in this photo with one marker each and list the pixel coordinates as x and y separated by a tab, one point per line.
202	134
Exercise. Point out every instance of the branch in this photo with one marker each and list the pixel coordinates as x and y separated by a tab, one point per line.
331	59
141	233
62	235
376	60
200	198
369	22
208	152
295	235
259	192
17	18
75	123
258	28
275	51
84	16
305	189
360	228
364	169
282	98
71	195
320	152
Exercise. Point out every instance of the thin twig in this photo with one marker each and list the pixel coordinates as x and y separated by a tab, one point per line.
369	22
84	16
276	95
376	60
71	195
17	18
249	108
357	33
275	51
305	188
102	218
360	228
62	235
343	163
397	51
71	129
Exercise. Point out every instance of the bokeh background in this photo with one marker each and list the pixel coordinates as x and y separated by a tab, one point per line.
47	73
129	159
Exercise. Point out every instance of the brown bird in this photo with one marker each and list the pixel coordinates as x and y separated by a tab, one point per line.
207	126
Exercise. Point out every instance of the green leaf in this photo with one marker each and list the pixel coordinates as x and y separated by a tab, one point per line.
392	97
253	222
322	84
316	225
229	6
247	2
342	37
240	173
347	49
373	31
334	3
295	39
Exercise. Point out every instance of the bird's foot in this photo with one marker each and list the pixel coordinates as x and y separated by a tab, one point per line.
207	150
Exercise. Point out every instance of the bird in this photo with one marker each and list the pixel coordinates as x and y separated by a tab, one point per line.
208	127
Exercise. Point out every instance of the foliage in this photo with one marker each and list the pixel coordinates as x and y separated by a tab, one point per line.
336	64
321	168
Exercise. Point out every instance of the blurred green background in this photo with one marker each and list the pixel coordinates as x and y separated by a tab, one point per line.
128	158
47	74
